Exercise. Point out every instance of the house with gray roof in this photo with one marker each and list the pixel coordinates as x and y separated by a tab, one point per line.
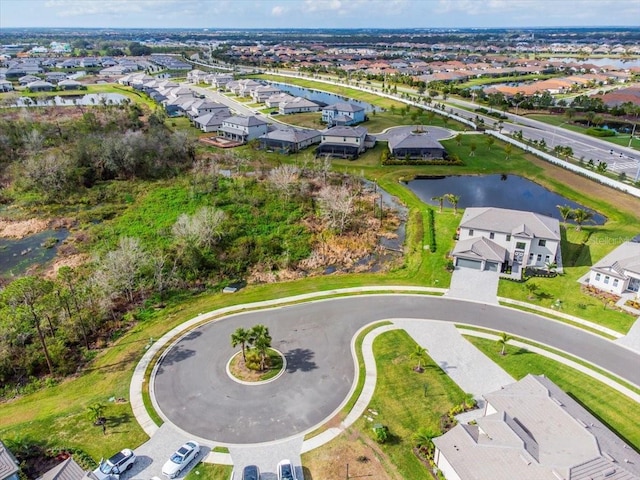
532	430
415	146
261	93
343	113
497	239
345	142
618	272
68	469
290	140
274	101
297	105
242	129
5	85
40	86
211	122
8	464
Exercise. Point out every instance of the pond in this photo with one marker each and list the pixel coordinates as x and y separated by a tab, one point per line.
502	191
71	100
322	98
16	256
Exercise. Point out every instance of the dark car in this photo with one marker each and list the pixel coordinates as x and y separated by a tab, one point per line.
251	472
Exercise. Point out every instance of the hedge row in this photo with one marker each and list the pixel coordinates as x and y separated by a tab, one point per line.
432	230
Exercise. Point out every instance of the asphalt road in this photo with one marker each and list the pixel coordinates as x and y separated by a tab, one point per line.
619	159
193	390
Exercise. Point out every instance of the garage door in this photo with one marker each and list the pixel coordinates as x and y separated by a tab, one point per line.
491	266
464	262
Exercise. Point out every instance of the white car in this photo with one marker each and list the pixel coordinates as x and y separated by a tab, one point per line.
114	466
180	459
286	470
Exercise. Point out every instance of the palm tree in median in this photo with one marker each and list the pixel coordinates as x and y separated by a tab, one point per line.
261	341
503	339
241	337
440	201
581	216
565	212
453	200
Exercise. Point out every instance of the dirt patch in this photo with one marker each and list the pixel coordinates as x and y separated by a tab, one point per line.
72	261
21	228
364	458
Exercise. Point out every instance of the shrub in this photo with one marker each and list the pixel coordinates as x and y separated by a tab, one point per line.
381	433
600	132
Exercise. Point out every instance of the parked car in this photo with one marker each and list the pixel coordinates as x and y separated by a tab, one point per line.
180	459
251	472
114	466
286	470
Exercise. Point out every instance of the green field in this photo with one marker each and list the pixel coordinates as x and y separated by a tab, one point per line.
613	408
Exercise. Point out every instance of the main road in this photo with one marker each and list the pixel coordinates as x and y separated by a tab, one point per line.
193	390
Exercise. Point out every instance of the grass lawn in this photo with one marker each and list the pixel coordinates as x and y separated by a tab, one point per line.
402	406
401	402
614	409
208	471
305	119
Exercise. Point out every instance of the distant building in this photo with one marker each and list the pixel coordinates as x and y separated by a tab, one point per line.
242	129
415	146
343	114
290	140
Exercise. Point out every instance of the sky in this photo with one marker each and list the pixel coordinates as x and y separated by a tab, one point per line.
317	13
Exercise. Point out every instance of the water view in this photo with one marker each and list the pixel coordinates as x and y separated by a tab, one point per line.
502	191
323	98
16	256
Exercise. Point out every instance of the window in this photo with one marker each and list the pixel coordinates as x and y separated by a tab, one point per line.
344	139
542	243
471	233
547	258
615	282
606	279
520	245
530	257
539	258
508	237
492	235
598	277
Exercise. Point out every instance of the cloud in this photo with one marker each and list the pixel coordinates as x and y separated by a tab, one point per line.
278	11
73	8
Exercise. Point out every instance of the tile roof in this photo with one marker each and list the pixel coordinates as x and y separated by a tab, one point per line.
67	470
8	464
480	248
513	222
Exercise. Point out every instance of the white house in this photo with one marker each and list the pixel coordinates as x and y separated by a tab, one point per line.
618	272
8	464
297	105
242	129
496	238
261	93
274	101
532	430
343	113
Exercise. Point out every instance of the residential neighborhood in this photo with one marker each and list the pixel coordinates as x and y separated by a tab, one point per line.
239	244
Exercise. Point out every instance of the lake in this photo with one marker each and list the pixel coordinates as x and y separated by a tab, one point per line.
323	98
18	255
502	191
71	100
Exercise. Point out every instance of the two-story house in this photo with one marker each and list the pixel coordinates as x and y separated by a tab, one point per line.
618	272
343	113
242	129
261	93
345	142
497	238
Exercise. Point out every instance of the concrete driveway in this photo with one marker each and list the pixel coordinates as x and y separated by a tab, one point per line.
474	285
